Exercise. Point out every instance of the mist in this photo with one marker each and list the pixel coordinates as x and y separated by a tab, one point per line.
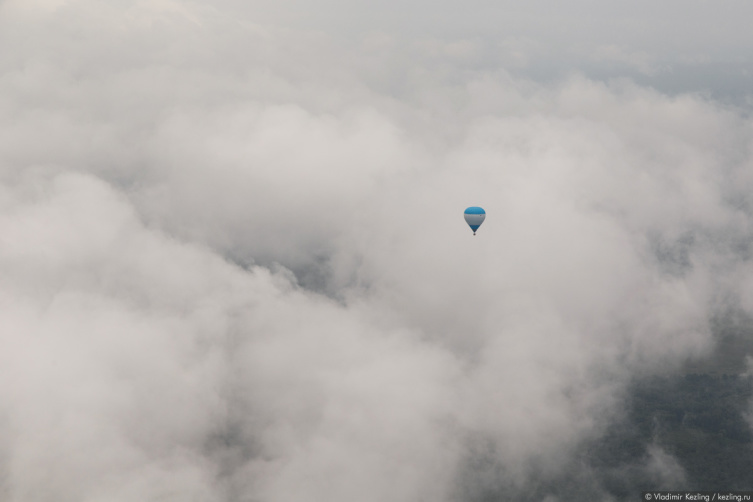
233	265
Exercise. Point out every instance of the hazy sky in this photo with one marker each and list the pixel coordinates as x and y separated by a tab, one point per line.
233	263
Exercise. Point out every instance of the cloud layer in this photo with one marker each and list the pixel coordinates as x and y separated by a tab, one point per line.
234	265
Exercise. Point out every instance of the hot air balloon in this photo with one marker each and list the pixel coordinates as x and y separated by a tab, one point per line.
474	216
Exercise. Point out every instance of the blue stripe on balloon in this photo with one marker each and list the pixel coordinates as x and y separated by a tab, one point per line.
475	210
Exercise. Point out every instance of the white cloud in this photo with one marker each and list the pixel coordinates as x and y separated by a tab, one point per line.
170	171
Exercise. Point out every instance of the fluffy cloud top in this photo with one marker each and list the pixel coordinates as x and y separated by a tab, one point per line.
233	264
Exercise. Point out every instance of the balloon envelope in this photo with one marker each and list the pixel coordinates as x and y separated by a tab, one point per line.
474	216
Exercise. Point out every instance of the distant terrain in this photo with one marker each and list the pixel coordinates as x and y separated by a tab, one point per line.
691	429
